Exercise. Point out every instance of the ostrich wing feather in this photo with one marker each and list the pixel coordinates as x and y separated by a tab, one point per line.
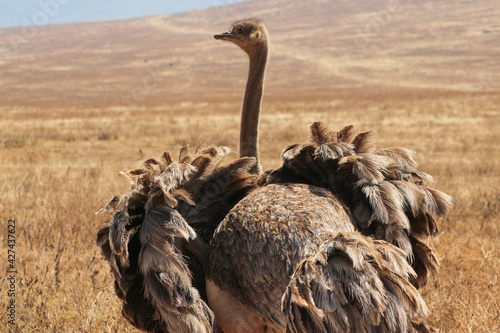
346	134
388	197
167	279
352	284
320	133
151	244
364	143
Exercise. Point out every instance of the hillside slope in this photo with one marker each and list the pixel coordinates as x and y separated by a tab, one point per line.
319	47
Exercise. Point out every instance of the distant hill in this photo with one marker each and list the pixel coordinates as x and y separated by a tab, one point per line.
37	12
319	48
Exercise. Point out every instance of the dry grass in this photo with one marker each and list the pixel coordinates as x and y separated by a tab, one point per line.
58	168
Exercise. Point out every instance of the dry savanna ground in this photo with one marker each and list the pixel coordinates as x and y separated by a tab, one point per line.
75	111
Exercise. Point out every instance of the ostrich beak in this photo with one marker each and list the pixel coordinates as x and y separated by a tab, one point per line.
224	36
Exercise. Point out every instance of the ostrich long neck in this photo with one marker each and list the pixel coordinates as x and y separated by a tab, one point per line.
249	131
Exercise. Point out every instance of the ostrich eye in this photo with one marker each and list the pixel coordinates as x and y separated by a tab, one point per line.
239	29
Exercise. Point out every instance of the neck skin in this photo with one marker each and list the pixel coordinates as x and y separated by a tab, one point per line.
249	131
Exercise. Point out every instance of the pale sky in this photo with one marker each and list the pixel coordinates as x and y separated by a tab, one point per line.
40	12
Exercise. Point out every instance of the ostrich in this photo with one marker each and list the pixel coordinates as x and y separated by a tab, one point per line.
333	258
335	240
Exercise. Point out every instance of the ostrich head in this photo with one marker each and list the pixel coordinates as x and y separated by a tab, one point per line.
249	35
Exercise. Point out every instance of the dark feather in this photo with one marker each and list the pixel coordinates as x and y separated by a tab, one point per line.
352	284
386	194
364	143
346	134
320	133
148	240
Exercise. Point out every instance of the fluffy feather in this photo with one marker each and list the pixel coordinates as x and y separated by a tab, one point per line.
352	284
388	197
151	244
167	278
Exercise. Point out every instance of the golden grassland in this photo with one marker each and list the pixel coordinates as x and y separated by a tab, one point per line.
60	165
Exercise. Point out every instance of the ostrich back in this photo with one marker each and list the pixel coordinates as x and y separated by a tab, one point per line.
256	248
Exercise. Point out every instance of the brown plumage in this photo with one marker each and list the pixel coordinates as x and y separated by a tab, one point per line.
388	197
347	222
351	284
151	245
